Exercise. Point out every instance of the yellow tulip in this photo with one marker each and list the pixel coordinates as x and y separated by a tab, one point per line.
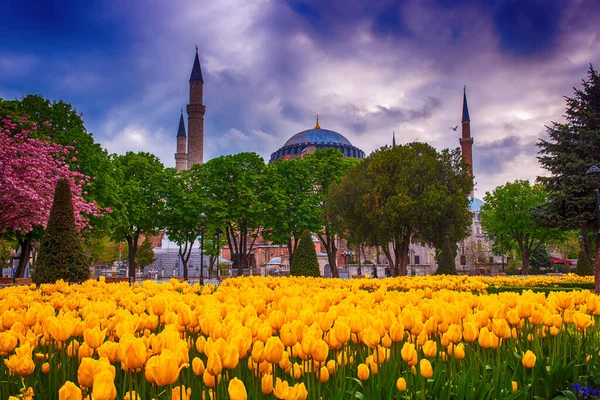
104	386
515	386
459	351
69	391
213	364
94	337
528	359
470	332
8	342
430	348
370	337
321	351
363	372
425	369
132	395
401	384
288	335
45	368
273	350
231	358
197	366
323	374
132	353
266	384
237	390
181	393
164	369
20	365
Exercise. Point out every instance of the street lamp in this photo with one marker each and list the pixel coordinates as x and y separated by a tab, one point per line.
202	217
217	236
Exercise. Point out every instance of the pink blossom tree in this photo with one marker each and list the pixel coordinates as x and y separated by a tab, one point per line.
29	171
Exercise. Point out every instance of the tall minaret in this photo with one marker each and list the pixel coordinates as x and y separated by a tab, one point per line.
466	141
181	155
196	112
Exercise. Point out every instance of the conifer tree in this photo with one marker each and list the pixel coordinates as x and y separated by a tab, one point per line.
62	255
584	267
446	264
305	259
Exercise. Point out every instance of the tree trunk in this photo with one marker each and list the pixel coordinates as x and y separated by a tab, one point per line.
525	264
184	256
401	252
291	249
391	261
586	243
331	249
132	244
597	266
25	244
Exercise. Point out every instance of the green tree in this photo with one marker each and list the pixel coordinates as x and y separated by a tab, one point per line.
239	200
101	250
306	262
185	194
446	264
6	248
295	203
402	194
508	210
138	202
327	167
62	255
584	267
540	259
572	147
145	255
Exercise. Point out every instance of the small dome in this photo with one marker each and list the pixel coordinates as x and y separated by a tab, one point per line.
314	136
475	204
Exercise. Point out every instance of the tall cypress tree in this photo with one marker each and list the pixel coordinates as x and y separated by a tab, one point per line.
305	261
62	255
572	148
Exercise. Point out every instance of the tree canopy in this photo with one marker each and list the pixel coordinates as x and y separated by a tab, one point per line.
508	210
400	194
138	203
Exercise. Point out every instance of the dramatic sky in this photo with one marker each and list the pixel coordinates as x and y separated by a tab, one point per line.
366	67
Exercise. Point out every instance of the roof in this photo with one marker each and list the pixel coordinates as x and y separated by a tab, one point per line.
181	130
313	136
196	70
465	111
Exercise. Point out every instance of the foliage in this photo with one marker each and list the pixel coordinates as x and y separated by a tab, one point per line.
145	255
295	203
62	255
446	263
6	248
139	201
240	201
540	258
584	267
508	210
185	194
403	194
101	250
567	248
305	263
572	148
327	167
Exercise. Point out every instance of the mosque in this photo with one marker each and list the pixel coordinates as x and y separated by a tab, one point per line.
190	149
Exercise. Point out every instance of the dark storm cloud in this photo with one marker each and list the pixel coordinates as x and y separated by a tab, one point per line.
528	28
494	157
366	67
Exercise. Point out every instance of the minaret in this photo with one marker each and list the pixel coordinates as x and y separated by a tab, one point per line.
466	141
196	112
181	155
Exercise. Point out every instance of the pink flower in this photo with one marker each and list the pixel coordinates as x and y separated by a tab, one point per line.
74	159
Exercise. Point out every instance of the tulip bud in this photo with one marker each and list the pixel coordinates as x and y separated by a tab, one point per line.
363	372
401	384
528	359
425	369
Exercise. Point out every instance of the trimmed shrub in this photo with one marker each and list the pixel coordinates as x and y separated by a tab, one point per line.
305	258
584	267
62	255
446	264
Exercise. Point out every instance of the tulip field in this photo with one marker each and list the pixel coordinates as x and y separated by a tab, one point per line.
300	338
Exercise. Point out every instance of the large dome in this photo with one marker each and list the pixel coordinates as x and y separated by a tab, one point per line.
315	136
